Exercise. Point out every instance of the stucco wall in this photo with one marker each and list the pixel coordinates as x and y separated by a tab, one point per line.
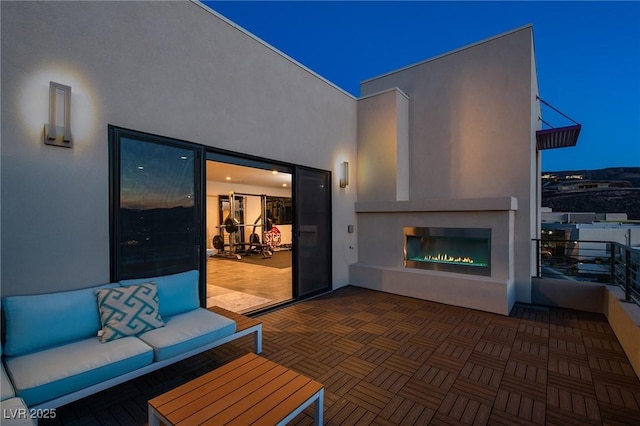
624	319
167	68
383	147
472	132
381	251
579	295
470	119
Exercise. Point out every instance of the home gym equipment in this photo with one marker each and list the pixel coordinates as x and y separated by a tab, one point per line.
235	248
231	224
218	242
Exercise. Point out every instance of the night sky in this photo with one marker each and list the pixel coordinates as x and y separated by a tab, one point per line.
587	55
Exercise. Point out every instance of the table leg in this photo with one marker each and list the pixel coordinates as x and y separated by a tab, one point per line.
153	417
319	409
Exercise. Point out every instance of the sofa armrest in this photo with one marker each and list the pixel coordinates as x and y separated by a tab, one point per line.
6	387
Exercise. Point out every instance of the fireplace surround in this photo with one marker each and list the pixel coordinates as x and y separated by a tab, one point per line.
461	250
381	251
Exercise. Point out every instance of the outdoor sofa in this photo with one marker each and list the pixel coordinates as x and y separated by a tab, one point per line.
53	354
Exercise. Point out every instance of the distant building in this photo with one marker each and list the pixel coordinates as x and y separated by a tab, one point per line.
549	216
573	186
562	182
586	236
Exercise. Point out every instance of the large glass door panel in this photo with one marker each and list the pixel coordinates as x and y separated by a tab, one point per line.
156	207
312	245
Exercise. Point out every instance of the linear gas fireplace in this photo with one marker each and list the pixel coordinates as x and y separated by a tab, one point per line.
463	250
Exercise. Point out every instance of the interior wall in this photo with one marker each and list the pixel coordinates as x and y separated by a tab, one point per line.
173	69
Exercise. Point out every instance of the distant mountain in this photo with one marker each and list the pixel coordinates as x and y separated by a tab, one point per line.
611	190
628	174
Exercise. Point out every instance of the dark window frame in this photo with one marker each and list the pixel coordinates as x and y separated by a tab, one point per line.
115	134
205	153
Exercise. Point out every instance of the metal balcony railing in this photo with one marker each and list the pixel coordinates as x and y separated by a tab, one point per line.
605	262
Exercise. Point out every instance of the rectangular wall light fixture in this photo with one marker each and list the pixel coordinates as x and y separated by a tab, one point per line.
344	175
58	131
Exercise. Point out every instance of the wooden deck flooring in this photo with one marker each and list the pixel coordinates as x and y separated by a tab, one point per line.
392	360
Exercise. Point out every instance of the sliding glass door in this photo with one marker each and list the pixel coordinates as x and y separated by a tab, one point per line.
156	205
312	243
158	210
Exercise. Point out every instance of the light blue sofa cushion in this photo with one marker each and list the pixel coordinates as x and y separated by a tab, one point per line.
177	293
6	388
39	321
187	331
51	373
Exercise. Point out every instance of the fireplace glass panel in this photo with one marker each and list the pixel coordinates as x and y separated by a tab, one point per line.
463	250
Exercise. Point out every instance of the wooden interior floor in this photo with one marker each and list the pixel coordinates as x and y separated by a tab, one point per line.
266	282
393	360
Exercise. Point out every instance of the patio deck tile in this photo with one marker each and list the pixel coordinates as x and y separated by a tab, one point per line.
392	360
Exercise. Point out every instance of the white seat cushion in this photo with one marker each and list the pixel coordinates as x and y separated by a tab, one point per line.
51	373
184	332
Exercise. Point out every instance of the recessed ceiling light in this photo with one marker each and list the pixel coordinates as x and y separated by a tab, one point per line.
284	184
274	172
228	178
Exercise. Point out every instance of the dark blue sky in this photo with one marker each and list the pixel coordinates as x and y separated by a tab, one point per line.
587	55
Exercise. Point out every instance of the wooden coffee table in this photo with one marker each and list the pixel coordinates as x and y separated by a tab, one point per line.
248	390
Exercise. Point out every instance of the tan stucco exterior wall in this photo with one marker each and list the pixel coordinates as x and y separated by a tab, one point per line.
472	137
624	319
383	148
168	68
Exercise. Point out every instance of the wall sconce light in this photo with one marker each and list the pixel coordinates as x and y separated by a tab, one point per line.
344	175
59	112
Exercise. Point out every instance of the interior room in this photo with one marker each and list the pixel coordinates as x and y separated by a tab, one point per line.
249	262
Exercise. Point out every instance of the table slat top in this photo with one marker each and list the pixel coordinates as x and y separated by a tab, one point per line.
247	390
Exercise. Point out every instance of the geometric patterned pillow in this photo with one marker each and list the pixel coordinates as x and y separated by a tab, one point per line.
127	311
